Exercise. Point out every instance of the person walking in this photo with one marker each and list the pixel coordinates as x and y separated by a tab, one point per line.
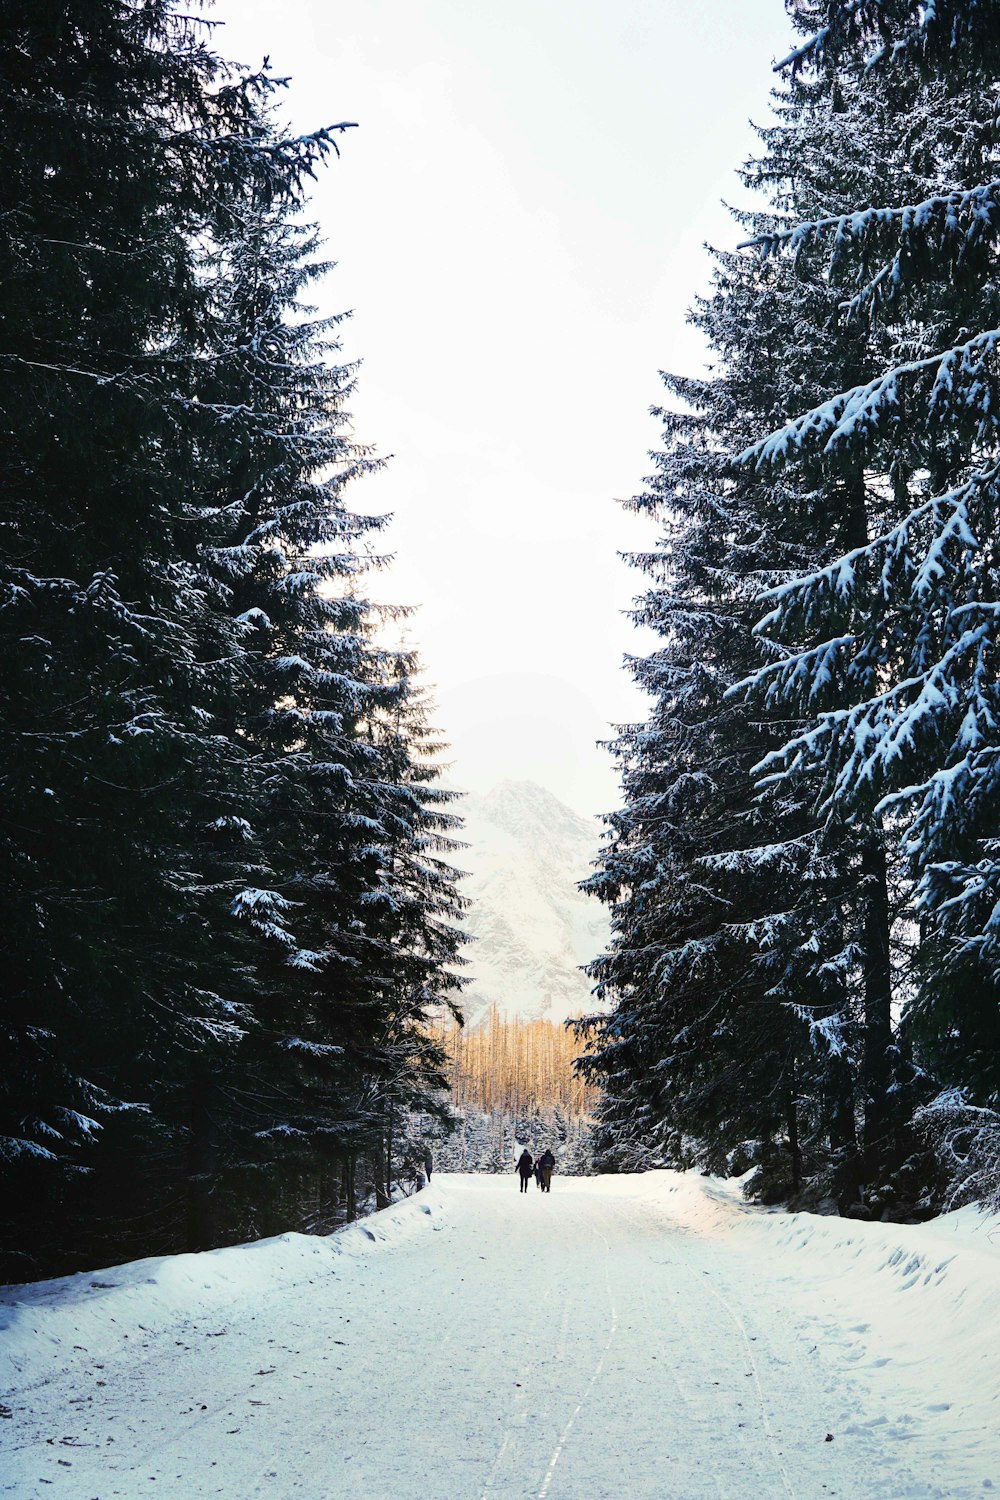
546	1163
538	1175
428	1163
524	1166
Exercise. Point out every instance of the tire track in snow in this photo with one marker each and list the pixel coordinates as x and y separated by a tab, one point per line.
768	1429
518	1422
682	1391
598	1368
516	1427
705	1283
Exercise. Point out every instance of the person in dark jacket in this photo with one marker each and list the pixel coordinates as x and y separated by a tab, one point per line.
538	1174
524	1166
428	1163
546	1163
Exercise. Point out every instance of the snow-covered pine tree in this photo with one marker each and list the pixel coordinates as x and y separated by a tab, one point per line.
340	761
890	650
415	917
281	555
118	128
750	962
347	1053
697	875
198	821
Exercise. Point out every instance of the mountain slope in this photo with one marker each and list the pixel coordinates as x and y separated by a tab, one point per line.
533	928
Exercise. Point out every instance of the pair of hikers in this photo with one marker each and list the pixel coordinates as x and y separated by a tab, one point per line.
542	1169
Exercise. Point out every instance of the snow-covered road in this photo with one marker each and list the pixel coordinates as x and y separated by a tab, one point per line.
621	1337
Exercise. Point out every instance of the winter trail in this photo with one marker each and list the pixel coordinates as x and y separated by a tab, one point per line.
472	1344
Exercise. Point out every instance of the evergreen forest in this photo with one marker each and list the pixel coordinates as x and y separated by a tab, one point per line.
228	902
804	876
539	1073
230	889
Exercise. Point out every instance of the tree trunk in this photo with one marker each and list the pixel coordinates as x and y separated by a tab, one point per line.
379	1175
201	1163
794	1149
327	1199
350	1205
844	1134
876	1068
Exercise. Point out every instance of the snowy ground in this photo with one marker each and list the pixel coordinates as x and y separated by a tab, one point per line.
622	1337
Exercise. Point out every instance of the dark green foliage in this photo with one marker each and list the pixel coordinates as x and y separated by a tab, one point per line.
854	727
750	967
226	901
902	724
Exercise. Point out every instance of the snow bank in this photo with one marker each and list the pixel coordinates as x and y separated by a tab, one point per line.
43	1322
910	1308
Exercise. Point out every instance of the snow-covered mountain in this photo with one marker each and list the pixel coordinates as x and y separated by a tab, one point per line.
533	928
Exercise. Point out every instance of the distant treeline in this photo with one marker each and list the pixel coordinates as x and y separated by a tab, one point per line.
515	1067
486	1141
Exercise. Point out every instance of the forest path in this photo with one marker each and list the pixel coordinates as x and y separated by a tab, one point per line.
568	1346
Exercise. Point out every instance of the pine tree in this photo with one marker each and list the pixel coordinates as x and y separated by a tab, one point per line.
750	967
225	888
354	916
283	557
418	915
892	645
118	125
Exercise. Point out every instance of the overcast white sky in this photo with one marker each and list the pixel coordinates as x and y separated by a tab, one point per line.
518	223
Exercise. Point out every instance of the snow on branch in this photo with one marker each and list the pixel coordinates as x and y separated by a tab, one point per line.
952	225
264	911
875	32
808	672
875	734
311	1049
826	1033
852	227
852	416
966	1140
946	517
810	51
